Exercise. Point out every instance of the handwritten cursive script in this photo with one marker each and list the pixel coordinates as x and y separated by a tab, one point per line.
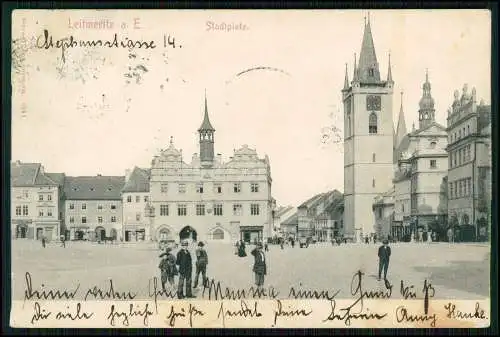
244	311
134	311
279	312
29	293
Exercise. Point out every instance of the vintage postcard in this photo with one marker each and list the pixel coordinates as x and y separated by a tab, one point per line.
251	169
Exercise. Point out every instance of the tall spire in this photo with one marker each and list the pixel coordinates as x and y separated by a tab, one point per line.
346	79
206	125
401	128
368	65
389	71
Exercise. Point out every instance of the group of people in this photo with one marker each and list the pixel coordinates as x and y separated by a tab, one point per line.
182	265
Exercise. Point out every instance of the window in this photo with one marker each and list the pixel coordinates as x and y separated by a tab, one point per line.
199	188
433	163
237	209
113	218
49	212
71	219
450	161
84	206
163	210
459	134
40	212
25	209
181	210
99	207
254	187
84	219
237	187
370	72
18	210
373	157
40	197
468	153
218	188
200	209
432	145
182	188
49	197
146	199
113	206
469	184
402	207
254	209
454	153
460	189
373	183
372	123
99	219
129	198
71	206
137	198
164	188
218	209
451	191
468	129
137	216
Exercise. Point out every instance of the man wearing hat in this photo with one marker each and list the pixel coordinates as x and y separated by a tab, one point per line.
201	264
384	253
167	268
259	267
185	271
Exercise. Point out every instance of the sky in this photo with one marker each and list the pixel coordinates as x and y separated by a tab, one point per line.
106	110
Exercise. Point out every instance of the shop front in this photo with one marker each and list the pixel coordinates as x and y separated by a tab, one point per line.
134	233
251	234
48	230
21	229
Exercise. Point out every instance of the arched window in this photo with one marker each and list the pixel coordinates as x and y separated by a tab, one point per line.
370	72
372	123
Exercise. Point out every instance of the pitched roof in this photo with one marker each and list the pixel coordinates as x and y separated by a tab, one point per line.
94	188
368	58
23	174
401	128
206	125
138	181
58	178
311	201
293	220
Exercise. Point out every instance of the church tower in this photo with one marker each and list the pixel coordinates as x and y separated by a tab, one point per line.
206	132
426	112
368	138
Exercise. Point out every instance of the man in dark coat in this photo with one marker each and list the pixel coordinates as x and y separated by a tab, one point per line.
259	267
384	254
201	264
185	271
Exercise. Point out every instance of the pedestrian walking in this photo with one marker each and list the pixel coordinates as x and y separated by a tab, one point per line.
168	268
266	247
384	254
63	241
293	242
185	264
451	235
201	265
259	267
43	241
241	249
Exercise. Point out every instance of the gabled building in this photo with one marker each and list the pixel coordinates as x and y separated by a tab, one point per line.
281	214
36	202
469	174
136	205
93	207
420	198
209	199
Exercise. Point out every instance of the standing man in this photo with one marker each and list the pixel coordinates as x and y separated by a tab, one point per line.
259	267
63	241
384	253
201	264
43	241
185	271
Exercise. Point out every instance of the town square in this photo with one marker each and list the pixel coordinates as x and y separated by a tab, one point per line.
284	170
455	271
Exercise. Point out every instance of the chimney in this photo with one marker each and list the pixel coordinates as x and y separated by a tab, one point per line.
219	158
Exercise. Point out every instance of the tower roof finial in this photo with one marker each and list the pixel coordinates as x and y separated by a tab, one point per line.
171	140
206	125
389	71
368	65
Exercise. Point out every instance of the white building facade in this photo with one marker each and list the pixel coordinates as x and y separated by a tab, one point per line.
208	199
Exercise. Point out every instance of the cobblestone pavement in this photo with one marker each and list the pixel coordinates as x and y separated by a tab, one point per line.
456	271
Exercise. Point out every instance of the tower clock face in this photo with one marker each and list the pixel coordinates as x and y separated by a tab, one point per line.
373	103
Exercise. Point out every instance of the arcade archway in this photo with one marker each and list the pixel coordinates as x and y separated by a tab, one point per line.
100	234
188	232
